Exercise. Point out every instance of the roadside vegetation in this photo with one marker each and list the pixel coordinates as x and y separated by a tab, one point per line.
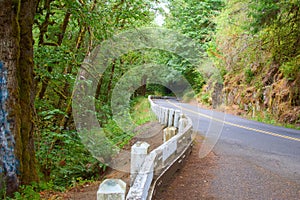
70	163
255	47
141	112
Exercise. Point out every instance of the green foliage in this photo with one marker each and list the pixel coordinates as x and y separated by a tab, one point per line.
205	98
65	31
62	158
279	25
27	192
235	34
249	75
194	18
268	118
158	90
251	33
291	70
140	111
116	135
256	42
263	12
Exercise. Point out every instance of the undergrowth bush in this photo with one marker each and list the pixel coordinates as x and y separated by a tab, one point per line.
62	158
64	161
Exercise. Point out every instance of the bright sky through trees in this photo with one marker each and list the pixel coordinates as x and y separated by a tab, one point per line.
160	9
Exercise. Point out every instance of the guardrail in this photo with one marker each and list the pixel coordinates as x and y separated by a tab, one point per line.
151	171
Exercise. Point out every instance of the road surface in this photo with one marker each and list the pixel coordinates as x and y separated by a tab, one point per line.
255	160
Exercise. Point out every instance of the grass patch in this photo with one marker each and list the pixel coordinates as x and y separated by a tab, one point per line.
267	118
141	112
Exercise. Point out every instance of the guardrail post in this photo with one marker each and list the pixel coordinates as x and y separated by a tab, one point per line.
161	115
169	132
176	118
111	189
166	116
182	123
171	117
166	136
138	153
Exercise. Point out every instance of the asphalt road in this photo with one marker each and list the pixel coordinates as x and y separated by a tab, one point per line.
255	160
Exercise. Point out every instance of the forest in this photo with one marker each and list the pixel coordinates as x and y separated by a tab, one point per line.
254	45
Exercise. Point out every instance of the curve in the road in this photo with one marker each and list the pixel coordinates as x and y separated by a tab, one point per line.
236	125
254	160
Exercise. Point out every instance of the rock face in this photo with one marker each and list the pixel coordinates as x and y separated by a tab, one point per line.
267	94
217	95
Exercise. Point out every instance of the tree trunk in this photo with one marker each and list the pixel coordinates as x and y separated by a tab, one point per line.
63	28
45	84
68	70
9	62
109	87
98	90
27	94
44	26
16	53
141	91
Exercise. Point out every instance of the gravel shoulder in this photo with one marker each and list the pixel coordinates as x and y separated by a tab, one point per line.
194	180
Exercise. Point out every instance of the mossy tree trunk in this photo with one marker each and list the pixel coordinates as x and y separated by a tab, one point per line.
16	52
26	93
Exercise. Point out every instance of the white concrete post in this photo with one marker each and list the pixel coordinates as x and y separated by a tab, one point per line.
166	116
161	115
138	153
173	131
176	118
166	135
111	189
171	117
169	132
182	123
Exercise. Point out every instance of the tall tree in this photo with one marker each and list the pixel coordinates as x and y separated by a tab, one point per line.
16	53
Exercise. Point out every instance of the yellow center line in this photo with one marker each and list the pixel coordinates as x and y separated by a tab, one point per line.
236	125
